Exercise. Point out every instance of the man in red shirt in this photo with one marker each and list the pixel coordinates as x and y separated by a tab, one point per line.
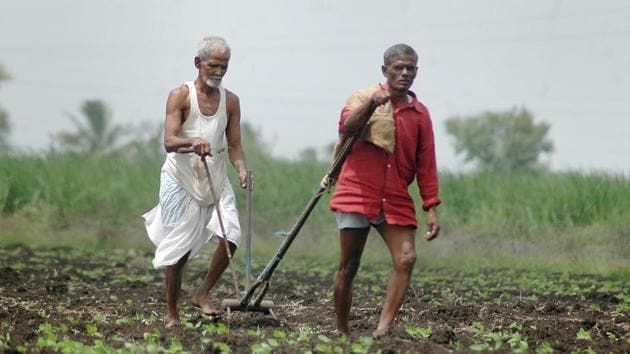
396	146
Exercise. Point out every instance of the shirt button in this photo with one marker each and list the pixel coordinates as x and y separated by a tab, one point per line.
384	200
388	165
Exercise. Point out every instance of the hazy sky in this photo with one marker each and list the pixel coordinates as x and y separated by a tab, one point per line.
295	62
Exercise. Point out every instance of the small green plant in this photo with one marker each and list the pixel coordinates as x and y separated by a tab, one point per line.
419	332
279	334
544	348
261	348
42	313
4	342
47	338
456	345
517	343
516	327
125	321
217	328
152	318
305	334
362	346
477	327
497	338
273	343
323	338
596	308
222	347
152	336
256	333
611	336
479	347
175	346
99	318
19	266
624	305
583	334
92	330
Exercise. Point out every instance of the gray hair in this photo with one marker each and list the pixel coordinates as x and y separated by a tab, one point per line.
212	44
398	50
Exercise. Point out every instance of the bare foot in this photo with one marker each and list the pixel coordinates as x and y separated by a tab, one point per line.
172	322
380	332
202	303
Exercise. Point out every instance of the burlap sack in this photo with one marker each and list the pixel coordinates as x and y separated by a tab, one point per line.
380	129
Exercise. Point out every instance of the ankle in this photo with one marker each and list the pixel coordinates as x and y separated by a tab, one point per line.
343	330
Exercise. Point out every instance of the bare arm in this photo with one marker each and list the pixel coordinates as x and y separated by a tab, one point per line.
361	114
175	106
233	133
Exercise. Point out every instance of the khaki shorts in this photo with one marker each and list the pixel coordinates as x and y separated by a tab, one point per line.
356	220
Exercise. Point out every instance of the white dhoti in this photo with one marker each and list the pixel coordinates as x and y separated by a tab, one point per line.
178	224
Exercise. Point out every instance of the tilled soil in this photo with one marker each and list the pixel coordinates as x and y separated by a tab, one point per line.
115	300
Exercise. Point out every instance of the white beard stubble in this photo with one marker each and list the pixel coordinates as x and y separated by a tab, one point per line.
213	83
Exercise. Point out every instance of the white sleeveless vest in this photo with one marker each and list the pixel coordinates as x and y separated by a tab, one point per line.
187	169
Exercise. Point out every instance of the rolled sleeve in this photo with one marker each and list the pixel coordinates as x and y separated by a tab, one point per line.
426	164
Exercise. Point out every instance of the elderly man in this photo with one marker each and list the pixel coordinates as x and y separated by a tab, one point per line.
202	117
395	146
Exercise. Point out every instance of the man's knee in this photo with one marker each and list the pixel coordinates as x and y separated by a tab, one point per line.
405	261
349	268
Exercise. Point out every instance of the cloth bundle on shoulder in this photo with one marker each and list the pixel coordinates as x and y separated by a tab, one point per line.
380	129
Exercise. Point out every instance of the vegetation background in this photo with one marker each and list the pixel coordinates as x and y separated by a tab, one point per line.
563	221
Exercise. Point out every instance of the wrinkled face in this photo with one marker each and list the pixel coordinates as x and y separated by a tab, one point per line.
211	70
401	72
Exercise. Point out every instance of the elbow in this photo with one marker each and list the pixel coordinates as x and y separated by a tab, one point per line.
169	145
349	128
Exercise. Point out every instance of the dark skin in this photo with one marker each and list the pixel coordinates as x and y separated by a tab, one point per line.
400	240
212	68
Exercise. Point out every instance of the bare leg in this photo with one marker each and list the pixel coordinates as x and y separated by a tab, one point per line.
218	264
352	242
173	284
401	243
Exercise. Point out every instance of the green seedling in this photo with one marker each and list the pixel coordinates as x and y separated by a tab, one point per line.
583	334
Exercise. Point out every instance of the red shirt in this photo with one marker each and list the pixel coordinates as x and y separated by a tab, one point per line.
373	180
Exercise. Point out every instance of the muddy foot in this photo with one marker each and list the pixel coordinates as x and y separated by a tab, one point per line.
204	306
379	333
172	323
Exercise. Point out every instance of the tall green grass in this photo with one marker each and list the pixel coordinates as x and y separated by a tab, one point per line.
554	221
528	204
568	220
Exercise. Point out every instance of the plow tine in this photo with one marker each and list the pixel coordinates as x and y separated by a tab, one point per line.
262	293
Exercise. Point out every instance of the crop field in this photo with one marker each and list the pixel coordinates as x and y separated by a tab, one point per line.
68	300
534	262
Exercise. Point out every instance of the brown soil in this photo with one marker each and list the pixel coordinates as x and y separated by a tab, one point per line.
65	287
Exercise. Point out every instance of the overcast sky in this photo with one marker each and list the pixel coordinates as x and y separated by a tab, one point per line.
295	62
